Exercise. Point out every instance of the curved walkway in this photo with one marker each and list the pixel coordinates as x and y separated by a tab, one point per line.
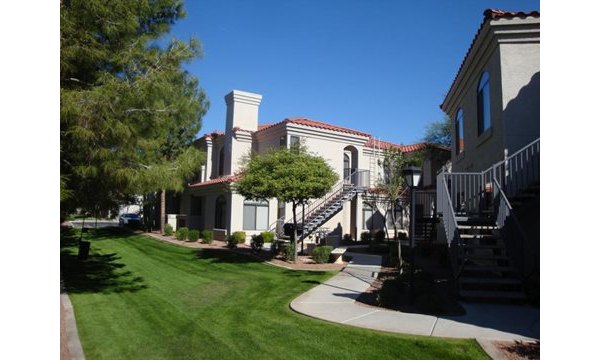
334	301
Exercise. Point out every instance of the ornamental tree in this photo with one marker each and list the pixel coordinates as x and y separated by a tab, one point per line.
290	175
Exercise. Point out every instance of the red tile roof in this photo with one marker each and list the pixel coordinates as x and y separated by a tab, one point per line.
493	14
315	124
373	143
227	179
490	14
322	125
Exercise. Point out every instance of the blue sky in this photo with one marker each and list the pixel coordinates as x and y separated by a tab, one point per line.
382	67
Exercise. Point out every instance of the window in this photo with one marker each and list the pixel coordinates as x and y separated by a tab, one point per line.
282	142
346	165
483	103
196	206
222	161
460	132
256	215
367	217
294	142
220	207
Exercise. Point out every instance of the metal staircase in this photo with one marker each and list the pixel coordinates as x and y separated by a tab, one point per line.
321	210
490	253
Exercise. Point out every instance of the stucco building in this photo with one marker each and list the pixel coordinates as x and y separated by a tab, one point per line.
210	203
489	199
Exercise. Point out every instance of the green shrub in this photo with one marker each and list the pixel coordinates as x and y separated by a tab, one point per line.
207	236
288	251
366	236
379	236
182	233
267	236
257	242
402	235
193	235
347	238
231	241
321	254
240	236
168	230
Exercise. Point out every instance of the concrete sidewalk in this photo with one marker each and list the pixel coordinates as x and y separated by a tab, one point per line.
334	301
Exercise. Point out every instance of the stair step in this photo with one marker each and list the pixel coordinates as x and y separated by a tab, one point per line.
478	236
487	257
490	268
522	196
477	227
504	295
482	247
502	281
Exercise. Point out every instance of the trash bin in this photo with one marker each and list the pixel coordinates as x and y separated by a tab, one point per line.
84	250
288	229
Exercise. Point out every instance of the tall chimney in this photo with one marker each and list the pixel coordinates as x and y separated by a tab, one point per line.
242	110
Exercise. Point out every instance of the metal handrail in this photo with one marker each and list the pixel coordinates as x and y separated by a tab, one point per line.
450	224
504	212
315	205
335	190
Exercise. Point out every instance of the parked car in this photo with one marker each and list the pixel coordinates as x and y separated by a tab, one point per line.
130	219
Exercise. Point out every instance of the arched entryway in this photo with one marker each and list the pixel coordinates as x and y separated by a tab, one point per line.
350	165
350	160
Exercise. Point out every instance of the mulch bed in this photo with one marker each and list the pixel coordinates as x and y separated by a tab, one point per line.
431	288
303	263
519	350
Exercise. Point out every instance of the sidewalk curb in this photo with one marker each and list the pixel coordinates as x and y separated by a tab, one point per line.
490	349
73	343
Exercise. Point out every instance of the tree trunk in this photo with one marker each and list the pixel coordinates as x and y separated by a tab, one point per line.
294	232
163	211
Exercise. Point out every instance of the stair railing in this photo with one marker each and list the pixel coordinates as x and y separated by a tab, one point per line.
517	243
355	180
455	244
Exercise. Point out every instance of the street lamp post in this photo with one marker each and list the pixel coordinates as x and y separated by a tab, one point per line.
412	175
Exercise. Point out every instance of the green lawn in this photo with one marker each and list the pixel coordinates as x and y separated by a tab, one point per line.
139	298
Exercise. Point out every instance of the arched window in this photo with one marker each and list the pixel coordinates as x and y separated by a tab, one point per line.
222	161
460	132
484	120
256	215
220	212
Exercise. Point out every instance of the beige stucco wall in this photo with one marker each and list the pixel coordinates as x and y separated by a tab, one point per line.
509	51
521	93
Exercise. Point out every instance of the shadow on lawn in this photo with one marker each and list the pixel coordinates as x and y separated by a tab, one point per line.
100	272
226	256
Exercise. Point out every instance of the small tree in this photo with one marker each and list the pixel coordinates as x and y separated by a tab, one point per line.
392	185
290	175
439	132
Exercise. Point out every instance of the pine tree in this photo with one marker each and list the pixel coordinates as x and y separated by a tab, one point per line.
129	113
